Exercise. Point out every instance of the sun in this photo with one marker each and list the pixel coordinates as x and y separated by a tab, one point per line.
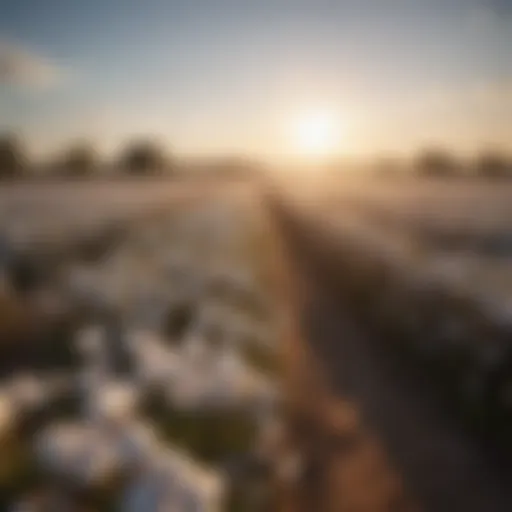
317	133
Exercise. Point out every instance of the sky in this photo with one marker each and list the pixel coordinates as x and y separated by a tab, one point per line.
233	76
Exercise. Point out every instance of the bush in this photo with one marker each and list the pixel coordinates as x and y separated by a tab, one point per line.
436	162
79	160
12	157
493	164
143	157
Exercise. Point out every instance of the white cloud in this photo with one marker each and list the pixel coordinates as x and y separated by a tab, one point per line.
22	68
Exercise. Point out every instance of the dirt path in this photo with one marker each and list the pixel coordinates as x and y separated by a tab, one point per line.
374	436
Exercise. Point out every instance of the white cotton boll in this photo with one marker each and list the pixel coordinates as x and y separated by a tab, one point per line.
98	463
198	487
189	391
76	452
155	364
87	286
212	488
59	447
90	342
223	383
237	383
138	446
194	348
170	483
230	363
114	403
28	392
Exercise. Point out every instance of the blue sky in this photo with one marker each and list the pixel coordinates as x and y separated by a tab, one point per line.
220	76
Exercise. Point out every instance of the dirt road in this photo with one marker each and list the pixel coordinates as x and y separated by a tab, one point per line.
375	436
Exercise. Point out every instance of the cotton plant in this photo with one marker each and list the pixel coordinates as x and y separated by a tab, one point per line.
89	288
25	395
76	453
30	393
196	374
217	379
152	476
155	364
195	366
170	480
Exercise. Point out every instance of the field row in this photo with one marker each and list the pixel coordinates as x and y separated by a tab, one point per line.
167	389
446	309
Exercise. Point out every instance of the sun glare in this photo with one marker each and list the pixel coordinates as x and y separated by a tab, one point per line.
317	133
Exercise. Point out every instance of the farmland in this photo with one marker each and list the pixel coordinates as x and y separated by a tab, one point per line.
422	358
428	264
157	385
399	362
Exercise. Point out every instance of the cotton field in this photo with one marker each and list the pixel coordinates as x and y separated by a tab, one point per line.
426	267
172	389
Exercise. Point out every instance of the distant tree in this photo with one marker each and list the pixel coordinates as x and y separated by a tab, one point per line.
436	162
79	161
493	164
143	157
12	156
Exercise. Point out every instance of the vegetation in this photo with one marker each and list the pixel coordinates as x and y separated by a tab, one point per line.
436	162
146	157
79	161
12	157
493	164
143	157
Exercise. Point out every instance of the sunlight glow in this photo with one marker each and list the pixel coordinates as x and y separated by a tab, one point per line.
317	133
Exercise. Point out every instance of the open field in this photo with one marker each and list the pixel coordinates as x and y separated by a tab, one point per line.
456	230
398	372
29	212
166	357
422	457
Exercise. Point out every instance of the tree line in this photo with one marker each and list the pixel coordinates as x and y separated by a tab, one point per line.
441	163
138	157
147	157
